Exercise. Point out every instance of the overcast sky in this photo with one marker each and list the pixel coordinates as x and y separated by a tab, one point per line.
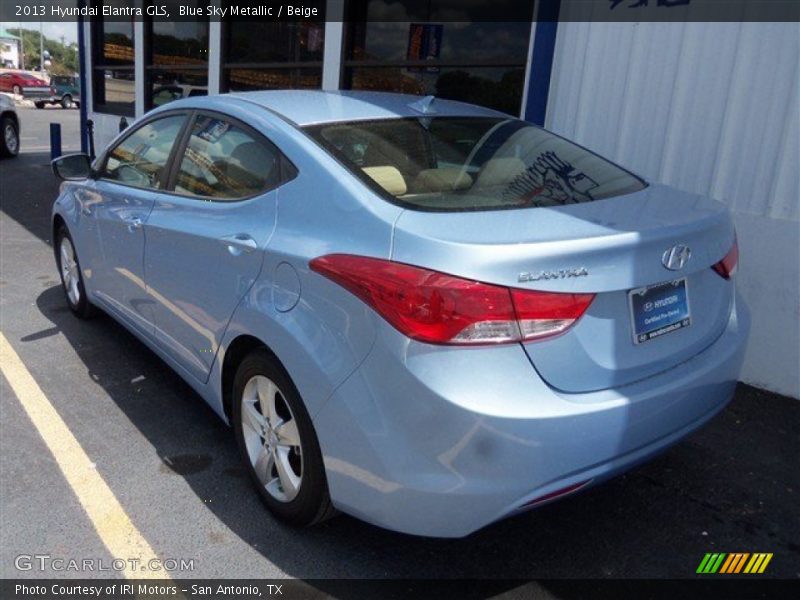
51	29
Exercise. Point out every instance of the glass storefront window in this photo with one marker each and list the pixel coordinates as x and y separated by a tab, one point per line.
116	43
496	87
446	42
473	60
273	55
243	80
179	42
174	84
112	70
114	91
264	42
177	57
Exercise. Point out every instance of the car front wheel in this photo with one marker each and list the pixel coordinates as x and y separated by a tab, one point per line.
71	277
9	137
277	442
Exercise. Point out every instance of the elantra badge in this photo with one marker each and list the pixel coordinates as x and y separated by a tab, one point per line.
676	257
560	274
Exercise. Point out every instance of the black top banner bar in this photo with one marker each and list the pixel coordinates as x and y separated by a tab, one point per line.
13	11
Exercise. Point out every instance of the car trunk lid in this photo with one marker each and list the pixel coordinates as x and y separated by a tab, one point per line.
608	248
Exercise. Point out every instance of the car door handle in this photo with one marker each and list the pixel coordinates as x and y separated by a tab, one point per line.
134	224
239	242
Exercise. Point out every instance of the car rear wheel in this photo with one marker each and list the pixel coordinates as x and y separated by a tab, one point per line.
66	101
71	276
277	442
9	137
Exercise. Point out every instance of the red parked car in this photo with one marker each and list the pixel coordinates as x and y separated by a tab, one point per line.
24	84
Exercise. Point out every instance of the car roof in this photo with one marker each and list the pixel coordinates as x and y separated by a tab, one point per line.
309	107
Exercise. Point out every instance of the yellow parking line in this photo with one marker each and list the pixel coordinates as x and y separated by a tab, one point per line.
110	521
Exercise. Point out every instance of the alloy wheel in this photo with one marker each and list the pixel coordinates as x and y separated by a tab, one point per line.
69	271
10	138
271	438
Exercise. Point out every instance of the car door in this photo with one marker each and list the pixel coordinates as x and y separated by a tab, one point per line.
130	176
205	241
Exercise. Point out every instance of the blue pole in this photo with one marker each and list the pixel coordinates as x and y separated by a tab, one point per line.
544	47
55	140
82	66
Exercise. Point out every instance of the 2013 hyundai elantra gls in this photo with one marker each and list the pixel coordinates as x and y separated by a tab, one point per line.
423	313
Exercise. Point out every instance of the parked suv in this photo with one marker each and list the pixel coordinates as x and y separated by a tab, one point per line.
65	90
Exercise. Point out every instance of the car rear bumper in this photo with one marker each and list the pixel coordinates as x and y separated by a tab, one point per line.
34	93
441	441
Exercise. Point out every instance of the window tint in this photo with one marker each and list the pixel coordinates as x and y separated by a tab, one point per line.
140	159
455	164
225	162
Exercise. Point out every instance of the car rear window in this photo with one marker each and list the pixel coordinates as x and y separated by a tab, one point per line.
471	163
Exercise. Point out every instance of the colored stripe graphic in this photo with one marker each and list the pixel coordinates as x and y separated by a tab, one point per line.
734	562
758	563
727	564
711	563
703	563
737	562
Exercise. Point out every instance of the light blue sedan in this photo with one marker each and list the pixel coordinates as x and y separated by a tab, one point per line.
426	314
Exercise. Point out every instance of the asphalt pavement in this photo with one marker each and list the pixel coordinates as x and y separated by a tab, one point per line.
172	464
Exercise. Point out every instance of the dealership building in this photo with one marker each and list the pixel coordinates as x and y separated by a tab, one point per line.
707	107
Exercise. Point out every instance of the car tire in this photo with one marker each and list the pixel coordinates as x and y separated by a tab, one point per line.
39	105
266	442
9	137
17	90
66	102
72	276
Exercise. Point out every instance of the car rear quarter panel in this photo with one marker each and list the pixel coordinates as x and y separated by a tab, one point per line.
327	332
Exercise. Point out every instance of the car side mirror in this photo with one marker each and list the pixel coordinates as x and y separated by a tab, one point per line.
72	167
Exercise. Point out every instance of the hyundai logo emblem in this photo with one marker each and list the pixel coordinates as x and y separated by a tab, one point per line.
676	257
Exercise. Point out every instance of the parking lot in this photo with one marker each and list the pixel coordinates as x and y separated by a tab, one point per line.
173	467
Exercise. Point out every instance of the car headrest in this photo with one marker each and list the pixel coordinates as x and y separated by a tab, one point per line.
254	158
499	171
445	179
389	178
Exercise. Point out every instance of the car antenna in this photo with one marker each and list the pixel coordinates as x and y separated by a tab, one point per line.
424	105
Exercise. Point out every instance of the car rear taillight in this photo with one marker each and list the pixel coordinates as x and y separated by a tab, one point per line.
570	489
437	308
727	266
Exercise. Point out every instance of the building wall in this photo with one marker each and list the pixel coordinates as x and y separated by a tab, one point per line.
9	52
710	108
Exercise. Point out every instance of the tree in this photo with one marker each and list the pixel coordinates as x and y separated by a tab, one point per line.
64	58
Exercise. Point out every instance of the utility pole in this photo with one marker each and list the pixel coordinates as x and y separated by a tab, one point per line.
21	46
41	49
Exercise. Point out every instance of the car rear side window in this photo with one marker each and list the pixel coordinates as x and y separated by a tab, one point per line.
223	161
471	163
140	160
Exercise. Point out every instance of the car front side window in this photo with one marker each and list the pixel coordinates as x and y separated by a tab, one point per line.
140	160
223	161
